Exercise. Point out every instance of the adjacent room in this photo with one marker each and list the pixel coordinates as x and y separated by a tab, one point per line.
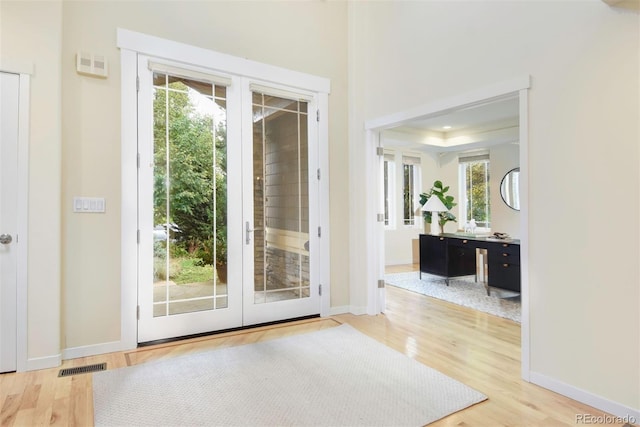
474	152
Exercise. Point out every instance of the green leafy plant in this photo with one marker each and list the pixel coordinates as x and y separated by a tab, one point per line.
190	183
438	190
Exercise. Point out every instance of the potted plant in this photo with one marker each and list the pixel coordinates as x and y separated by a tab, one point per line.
438	190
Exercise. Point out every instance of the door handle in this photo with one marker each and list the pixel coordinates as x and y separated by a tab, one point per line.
5	239
248	231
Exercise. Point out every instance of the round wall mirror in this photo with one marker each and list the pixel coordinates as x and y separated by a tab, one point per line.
510	188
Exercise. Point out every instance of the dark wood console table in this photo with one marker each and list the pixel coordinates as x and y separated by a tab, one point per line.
451	255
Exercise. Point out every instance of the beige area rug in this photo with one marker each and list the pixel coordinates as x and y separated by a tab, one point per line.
333	377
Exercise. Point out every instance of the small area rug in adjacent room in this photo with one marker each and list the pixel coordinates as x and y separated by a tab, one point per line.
333	377
462	291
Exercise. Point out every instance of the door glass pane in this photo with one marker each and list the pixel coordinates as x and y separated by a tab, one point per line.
280	198
190	196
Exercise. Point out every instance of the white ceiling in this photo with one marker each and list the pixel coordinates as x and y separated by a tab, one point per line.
477	126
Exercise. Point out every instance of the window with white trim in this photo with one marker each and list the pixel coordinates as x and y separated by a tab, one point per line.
389	187
411	177
474	197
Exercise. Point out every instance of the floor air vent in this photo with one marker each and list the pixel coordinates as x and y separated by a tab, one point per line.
82	369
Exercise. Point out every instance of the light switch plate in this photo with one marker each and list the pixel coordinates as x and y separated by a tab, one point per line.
89	204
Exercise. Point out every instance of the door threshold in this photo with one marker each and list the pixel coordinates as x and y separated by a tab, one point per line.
222	331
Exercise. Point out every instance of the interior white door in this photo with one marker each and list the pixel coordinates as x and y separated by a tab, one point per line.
190	265
9	103
280	139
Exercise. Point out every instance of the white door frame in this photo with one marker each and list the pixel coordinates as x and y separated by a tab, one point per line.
133	43
375	246
22	237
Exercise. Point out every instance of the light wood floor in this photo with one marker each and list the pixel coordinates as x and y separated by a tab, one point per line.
478	349
391	269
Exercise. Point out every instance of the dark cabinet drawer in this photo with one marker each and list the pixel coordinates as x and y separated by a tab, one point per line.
464	243
504	258
504	275
433	254
462	260
504	253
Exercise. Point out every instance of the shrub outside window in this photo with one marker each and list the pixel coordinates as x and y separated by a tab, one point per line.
474	190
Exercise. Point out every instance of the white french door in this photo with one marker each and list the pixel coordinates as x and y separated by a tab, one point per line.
189	206
280	139
9	102
226	202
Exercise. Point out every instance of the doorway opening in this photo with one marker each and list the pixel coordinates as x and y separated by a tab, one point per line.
398	131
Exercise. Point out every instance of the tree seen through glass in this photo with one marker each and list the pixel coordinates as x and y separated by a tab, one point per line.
477	192
190	193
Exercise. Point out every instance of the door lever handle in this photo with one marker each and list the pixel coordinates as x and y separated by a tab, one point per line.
248	231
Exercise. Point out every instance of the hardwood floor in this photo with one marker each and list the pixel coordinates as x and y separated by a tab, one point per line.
478	349
404	268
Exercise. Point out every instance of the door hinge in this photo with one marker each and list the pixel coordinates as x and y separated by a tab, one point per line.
137	84
319	231
381	283
380	217
317	115
138	160
380	151
138	312
138	236
320	290
318	174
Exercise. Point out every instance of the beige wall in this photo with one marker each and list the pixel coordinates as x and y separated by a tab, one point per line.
31	33
503	219
583	113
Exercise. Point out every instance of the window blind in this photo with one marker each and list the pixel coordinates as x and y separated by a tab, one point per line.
409	160
281	93
215	79
473	157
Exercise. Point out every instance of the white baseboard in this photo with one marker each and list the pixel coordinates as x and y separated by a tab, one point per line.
625	413
91	350
44	362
